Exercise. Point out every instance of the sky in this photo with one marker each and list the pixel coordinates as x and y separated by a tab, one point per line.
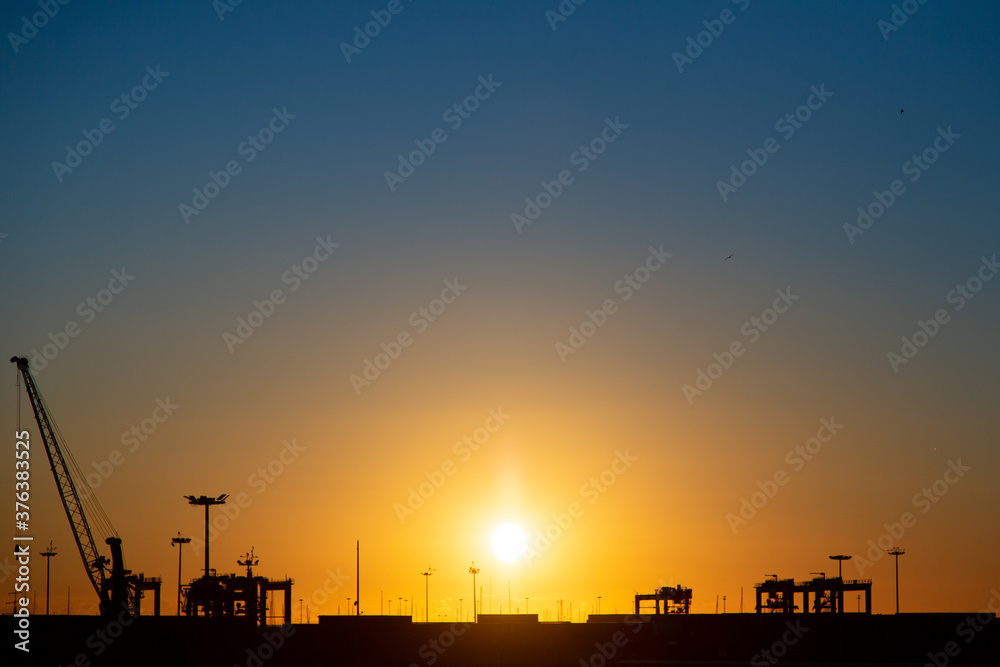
692	293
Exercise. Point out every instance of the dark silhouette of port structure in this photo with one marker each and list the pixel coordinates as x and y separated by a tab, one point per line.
827	594
226	622
233	595
237	596
672	599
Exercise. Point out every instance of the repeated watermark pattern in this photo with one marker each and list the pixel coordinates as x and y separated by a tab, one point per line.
591	491
915	167
696	44
420	319
899	16
31	24
454	116
122	107
796	458
581	158
248	149
435	479
258	481
927	329
924	500
364	34
89	309
786	126
294	277
627	286
752	330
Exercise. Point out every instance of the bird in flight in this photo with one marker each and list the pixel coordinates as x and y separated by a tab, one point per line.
730	257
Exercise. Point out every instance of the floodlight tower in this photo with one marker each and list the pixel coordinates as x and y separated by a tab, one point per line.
427	588
475	611
897	552
48	554
207	502
179	542
840	558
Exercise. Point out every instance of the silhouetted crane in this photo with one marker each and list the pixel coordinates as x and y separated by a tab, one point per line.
117	590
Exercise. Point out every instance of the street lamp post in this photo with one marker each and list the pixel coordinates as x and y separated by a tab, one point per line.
897	552
179	542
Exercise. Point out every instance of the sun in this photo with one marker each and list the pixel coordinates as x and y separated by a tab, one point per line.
509	542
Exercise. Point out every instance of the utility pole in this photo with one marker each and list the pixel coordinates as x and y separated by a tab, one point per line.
897	552
179	542
357	581
48	561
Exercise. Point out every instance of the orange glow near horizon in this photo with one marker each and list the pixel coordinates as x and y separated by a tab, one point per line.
625	513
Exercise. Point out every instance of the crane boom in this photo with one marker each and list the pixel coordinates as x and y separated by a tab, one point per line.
92	560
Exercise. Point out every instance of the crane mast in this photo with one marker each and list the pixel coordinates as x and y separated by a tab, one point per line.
114	592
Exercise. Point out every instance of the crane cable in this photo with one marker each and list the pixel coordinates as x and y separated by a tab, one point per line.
93	511
17	399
